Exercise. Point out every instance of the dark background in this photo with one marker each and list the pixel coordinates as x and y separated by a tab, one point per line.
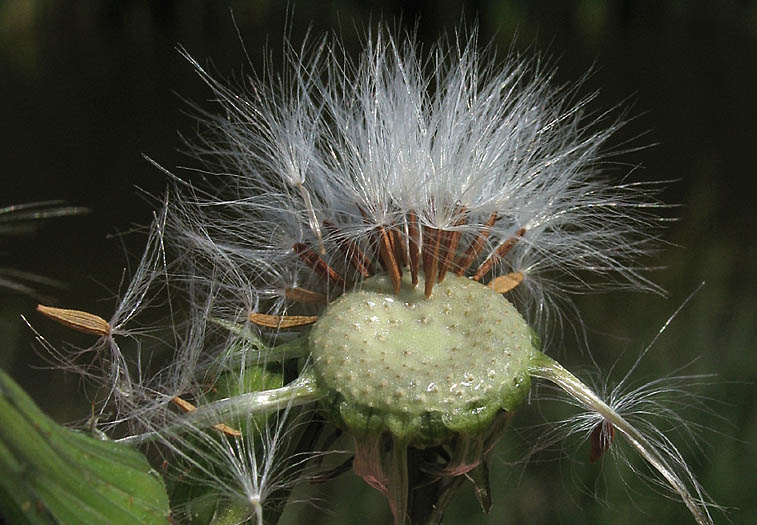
87	87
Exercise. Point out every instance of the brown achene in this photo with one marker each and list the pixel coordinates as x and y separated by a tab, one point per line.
405	244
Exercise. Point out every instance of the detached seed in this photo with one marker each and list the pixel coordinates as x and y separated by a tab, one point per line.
77	320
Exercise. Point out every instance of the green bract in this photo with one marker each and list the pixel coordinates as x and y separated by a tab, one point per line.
420	368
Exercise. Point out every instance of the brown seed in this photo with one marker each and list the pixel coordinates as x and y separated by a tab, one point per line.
77	320
183	404
301	295
464	262
400	248
186	406
450	242
386	252
281	321
352	251
431	247
413	234
601	438
318	265
499	253
505	283
226	429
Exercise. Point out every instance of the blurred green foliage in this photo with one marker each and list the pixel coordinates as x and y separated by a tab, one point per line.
52	474
87	87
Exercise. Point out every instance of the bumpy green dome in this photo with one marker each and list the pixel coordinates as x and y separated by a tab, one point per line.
422	368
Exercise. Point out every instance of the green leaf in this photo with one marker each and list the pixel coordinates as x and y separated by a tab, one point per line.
52	474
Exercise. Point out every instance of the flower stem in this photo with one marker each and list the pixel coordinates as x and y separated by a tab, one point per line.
301	391
547	368
399	487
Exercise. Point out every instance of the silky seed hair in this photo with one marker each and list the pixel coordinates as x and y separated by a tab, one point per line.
459	163
118	378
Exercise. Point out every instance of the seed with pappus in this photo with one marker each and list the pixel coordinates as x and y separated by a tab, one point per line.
381	242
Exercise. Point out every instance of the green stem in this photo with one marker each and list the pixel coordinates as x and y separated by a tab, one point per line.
299	392
547	368
235	513
399	487
446	489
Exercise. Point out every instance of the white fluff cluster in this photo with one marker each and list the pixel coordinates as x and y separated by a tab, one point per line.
453	139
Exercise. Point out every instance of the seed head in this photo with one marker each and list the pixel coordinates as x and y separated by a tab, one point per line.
362	222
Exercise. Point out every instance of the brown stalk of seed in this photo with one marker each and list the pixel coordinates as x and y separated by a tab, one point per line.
356	257
303	296
450	242
386	252
318	265
400	248
431	247
475	247
413	234
499	253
